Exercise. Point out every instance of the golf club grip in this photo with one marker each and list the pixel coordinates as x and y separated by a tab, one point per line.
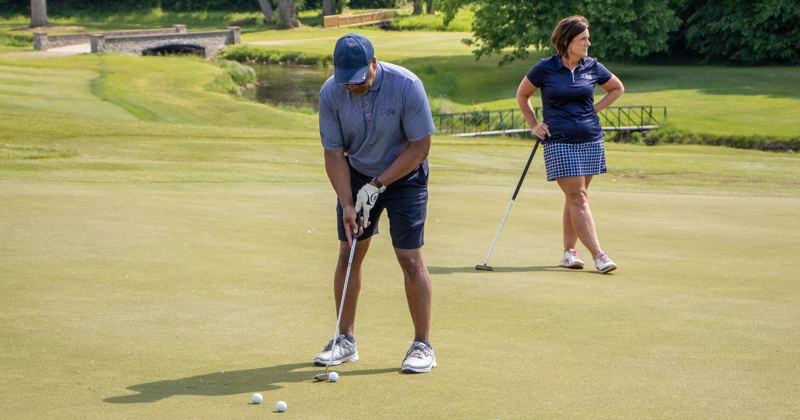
525	171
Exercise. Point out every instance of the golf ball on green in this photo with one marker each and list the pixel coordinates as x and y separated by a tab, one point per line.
257	398
280	406
333	377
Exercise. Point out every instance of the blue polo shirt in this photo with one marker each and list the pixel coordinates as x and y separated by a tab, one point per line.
568	98
375	128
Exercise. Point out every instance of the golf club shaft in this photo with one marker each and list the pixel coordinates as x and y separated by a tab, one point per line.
344	293
514	197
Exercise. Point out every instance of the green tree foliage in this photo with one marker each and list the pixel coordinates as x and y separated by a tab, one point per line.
745	32
372	4
619	28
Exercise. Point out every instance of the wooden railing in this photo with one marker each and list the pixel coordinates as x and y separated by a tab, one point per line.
357	19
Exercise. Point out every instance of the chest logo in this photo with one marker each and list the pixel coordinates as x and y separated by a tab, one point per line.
388	111
586	76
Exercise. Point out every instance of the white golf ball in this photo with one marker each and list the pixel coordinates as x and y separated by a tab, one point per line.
280	406
333	376
257	398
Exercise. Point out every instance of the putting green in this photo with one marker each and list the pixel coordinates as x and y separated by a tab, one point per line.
178	257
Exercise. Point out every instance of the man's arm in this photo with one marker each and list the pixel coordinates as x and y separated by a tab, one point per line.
339	174
415	153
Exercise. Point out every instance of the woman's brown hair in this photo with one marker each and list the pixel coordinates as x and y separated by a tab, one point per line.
566	30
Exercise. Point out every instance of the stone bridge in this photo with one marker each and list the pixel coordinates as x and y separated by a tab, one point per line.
146	42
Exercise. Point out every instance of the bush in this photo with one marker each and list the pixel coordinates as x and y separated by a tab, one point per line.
372	4
670	134
405	21
252	53
235	75
16	40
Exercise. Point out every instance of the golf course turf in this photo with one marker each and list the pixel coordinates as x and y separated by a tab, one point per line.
166	252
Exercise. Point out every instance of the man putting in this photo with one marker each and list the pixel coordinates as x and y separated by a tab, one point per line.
375	124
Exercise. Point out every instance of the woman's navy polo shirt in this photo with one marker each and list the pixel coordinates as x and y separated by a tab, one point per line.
568	98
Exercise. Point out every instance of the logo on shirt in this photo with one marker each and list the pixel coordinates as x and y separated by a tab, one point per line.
388	111
586	76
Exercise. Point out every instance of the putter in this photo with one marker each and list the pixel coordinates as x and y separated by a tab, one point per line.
325	376
485	266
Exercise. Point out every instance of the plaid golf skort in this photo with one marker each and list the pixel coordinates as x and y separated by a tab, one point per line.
574	159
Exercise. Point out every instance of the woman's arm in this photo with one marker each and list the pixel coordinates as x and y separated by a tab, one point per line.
524	92
614	90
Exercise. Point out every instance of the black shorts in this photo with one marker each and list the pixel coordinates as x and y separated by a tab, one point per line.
406	202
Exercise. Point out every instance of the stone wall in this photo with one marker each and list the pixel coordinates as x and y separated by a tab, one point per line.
211	42
43	41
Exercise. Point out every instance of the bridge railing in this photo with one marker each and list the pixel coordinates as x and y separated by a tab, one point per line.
358	19
511	121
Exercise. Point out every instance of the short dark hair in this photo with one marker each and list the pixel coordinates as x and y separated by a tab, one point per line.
566	30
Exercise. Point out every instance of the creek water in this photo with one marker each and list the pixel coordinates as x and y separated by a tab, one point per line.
289	86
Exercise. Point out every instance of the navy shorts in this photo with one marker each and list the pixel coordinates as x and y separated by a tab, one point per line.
574	159
406	202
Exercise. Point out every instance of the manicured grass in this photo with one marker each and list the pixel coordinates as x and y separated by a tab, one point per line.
167	252
714	100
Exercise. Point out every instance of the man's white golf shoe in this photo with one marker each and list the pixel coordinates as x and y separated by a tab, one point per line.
419	358
345	352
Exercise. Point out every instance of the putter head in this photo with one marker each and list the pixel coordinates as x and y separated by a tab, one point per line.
484	267
322	377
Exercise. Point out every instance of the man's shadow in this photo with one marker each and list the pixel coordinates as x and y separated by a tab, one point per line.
229	383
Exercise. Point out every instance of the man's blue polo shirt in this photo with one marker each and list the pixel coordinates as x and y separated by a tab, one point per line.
375	128
568	98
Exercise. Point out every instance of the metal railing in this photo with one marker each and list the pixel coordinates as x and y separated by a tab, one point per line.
511	121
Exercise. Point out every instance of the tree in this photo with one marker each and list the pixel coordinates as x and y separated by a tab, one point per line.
619	28
417	7
287	15
429	8
38	13
335	7
449	8
745	32
266	7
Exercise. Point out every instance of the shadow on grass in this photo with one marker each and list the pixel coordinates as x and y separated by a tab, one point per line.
497	269
472	269
230	383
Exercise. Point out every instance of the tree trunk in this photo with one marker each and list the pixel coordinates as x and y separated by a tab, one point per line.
288	14
38	13
327	7
417	7
266	7
430	7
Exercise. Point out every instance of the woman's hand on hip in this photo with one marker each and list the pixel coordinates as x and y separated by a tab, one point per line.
541	131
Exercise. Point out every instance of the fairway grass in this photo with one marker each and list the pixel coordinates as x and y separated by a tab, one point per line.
166	252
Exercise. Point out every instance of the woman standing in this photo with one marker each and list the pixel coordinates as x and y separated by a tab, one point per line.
572	136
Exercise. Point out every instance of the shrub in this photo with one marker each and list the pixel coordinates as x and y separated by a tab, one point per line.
16	40
252	53
239	73
233	76
670	134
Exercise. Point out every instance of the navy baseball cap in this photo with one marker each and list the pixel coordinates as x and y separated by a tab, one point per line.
351	59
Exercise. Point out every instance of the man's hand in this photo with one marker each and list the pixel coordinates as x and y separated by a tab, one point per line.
365	200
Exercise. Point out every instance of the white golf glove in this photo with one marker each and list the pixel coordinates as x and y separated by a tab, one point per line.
365	200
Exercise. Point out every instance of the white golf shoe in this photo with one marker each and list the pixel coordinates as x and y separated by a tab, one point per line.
604	264
419	358
571	260
345	352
